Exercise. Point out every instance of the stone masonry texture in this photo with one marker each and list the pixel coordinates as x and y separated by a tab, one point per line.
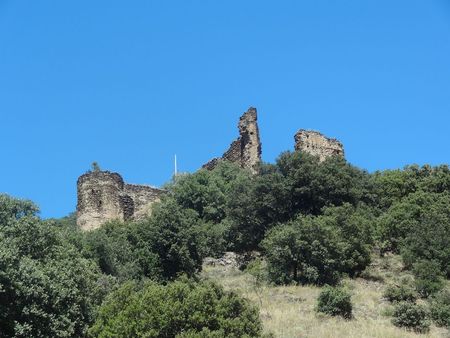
314	143
103	196
246	150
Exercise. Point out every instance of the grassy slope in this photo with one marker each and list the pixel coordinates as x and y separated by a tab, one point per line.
288	311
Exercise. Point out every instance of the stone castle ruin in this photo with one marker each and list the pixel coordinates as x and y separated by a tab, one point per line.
104	196
314	143
246	150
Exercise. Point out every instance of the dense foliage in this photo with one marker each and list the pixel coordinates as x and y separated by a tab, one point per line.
297	184
183	308
47	288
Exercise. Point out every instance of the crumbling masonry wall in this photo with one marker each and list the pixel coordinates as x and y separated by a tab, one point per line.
317	144
246	150
103	196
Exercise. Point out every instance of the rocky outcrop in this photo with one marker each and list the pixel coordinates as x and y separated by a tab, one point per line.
317	144
246	150
232	259
103	196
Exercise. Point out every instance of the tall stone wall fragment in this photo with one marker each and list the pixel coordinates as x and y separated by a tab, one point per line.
246	150
317	144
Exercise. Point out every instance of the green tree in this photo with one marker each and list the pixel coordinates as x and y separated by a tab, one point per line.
313	185
119	252
428	278
173	233
392	186
167	244
47	288
12	209
208	191
429	235
318	249
257	204
208	194
403	217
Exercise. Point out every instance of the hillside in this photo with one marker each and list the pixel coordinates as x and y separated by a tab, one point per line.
289	311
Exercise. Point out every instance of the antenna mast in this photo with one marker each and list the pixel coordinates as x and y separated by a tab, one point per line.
176	169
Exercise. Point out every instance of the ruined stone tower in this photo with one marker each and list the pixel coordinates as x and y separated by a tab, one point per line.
103	196
317	144
246	150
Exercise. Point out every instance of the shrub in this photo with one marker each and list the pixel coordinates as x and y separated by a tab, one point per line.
412	317
400	293
429	279
335	301
303	251
440	308
184	307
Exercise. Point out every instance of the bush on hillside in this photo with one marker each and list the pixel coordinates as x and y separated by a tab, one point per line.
440	308
400	293
184	308
412	317
335	301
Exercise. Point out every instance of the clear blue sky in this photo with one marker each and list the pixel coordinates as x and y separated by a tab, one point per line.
131	83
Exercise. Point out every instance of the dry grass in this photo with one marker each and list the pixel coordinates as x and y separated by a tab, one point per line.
288	311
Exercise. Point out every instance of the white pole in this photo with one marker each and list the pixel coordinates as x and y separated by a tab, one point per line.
175	173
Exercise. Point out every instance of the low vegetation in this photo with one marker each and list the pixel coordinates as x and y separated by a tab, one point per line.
291	310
